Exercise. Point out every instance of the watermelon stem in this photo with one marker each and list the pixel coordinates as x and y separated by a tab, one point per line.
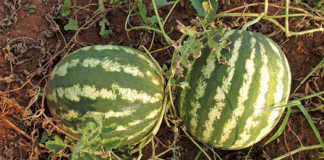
284	28
246	25
302	148
195	143
167	38
318	66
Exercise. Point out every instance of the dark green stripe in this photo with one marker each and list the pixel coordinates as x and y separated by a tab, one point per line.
236	84
207	101
103	79
193	83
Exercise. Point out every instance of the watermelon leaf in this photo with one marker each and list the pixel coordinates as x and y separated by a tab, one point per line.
56	145
72	25
44	137
318	3
162	3
66	8
197	4
142	11
205	8
91	141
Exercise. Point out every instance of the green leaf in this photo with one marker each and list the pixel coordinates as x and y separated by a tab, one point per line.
66	8
104	32
162	3
153	20
197	4
205	8
72	25
44	137
31	11
311	123
165	68
318	3
30	6
77	148
197	155
142	11
56	145
192	45
281	128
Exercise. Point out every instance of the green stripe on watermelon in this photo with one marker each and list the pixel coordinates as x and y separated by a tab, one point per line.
217	109
122	84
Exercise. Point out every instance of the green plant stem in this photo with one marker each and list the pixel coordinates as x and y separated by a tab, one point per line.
245	26
164	152
308	97
250	23
145	28
295	102
196	144
275	22
302	148
305	32
287	18
319	65
171	10
274	17
167	38
310	110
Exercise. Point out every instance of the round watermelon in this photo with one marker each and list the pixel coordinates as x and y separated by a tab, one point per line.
121	84
231	105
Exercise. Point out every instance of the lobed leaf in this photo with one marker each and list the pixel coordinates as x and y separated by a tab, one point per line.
72	25
56	145
65	10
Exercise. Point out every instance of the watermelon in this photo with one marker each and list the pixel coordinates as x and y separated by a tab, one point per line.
231	105
121	84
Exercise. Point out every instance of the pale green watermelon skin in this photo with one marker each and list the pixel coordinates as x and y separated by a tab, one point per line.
120	83
230	106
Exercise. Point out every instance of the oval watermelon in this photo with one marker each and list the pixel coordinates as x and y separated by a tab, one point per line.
231	106
122	84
